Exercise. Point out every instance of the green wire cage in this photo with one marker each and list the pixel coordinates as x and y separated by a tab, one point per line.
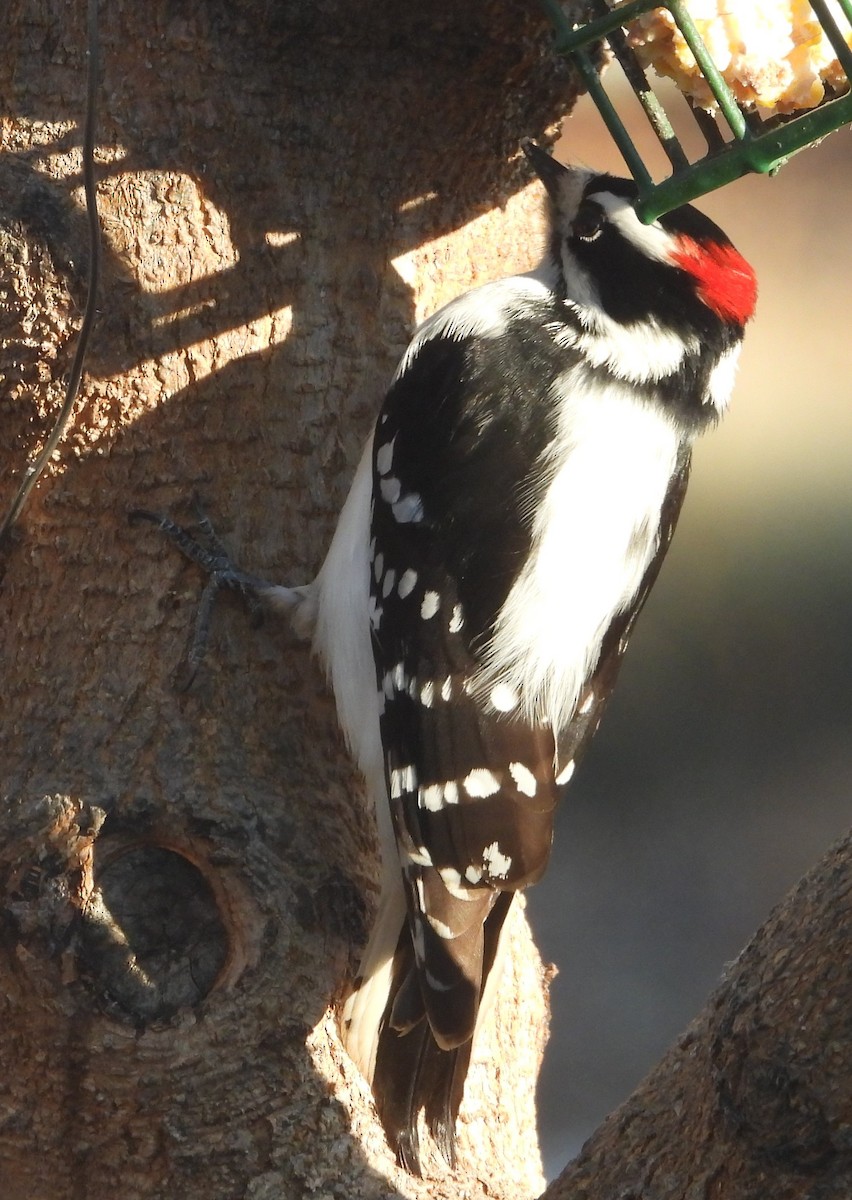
739	141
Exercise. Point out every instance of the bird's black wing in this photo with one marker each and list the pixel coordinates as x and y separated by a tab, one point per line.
472	790
472	785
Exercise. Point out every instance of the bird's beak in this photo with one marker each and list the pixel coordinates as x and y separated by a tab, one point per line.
550	172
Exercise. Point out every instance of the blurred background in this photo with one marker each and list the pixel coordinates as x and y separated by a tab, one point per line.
723	767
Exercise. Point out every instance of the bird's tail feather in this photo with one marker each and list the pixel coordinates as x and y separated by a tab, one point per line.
365	1008
412	1072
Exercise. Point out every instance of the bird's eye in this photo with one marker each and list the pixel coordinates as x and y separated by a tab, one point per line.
589	222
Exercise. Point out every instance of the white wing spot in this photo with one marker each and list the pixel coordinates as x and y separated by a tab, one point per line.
375	611
427	694
390	489
408	510
378	566
495	862
472	874
387	684
402	779
481	782
406	583
388	583
451	792
430	605
503	697
566	772
447	689
524	778
457	619
384	457
441	928
372	549
418	855
431	797
400	677
587	704
452	881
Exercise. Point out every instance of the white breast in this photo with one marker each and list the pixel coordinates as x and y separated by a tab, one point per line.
593	538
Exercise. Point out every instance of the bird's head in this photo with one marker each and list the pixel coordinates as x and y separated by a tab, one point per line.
676	282
609	258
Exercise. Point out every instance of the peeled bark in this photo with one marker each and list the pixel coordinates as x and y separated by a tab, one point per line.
186	877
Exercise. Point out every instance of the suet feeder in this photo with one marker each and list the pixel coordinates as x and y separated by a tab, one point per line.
741	136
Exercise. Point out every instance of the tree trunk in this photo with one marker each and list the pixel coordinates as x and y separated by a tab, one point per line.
186	876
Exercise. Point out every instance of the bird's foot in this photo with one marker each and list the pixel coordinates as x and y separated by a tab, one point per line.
207	550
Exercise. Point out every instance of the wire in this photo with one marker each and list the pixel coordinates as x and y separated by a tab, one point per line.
35	468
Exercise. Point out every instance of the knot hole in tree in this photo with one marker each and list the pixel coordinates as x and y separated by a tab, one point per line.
154	939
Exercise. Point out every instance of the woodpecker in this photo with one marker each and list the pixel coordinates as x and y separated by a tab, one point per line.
506	523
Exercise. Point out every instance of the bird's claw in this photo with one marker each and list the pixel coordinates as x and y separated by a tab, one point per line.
210	553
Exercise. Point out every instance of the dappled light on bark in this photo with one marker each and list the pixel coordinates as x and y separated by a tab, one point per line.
188	876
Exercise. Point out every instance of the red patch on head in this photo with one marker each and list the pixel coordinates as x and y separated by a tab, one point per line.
725	282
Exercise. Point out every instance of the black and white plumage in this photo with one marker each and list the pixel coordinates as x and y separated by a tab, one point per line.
504	527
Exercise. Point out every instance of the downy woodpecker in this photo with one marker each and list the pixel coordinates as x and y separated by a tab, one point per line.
506	523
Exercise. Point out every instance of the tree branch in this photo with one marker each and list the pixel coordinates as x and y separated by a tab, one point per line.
755	1098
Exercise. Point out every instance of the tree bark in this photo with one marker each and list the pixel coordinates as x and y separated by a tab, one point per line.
187	876
755	1099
